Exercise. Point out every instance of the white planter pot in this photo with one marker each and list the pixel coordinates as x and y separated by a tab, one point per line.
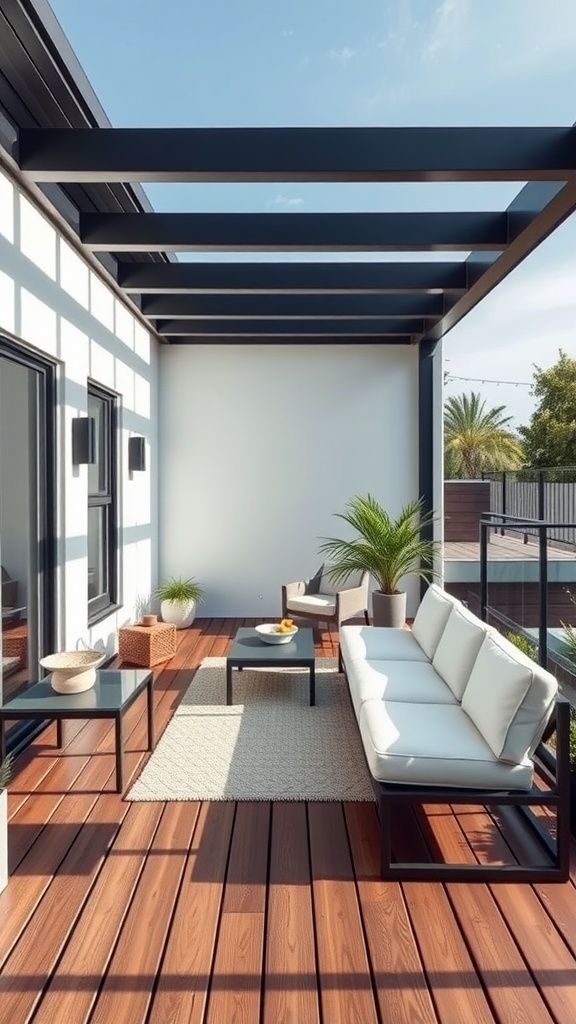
3	839
179	613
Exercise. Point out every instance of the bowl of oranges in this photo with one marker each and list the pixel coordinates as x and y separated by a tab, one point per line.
277	632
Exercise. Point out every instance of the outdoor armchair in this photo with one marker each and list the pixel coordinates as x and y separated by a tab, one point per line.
320	599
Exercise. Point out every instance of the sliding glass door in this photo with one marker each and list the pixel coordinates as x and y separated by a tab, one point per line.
26	516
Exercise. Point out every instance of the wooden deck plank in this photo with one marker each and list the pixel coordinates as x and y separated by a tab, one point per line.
74	984
237	972
401	983
290	985
457	988
183	985
128	985
512	992
343	967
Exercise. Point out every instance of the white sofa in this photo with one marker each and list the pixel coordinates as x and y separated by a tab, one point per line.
449	705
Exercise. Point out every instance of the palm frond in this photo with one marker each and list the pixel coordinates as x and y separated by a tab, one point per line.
385	547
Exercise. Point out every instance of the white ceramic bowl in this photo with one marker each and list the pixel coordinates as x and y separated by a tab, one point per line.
267	633
73	671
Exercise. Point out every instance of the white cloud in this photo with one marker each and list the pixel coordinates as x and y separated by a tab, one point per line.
343	55
449	28
285	202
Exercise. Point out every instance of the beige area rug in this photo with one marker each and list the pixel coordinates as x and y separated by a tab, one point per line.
270	745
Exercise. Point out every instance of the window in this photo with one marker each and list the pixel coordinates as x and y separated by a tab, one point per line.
102	528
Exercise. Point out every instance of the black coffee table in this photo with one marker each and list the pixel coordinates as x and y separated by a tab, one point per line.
113	692
249	651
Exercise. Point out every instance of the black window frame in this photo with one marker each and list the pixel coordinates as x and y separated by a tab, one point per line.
105	603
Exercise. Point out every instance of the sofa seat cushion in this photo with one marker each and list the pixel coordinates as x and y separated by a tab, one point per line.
379	643
433	745
414	681
313	604
431	618
458	649
509	698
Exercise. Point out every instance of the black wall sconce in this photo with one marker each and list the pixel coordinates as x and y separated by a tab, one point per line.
136	454
83	440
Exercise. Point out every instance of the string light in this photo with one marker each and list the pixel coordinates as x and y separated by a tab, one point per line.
485	380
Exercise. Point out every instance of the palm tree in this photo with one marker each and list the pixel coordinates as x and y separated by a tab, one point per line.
476	438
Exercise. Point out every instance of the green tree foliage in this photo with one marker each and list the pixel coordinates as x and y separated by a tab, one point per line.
550	437
477	438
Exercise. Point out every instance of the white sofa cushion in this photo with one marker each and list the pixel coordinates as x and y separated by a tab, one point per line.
431	618
458	648
379	643
497	686
313	603
327	585
433	745
414	681
533	712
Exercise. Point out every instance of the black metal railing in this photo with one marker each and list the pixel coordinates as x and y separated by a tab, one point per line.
545	531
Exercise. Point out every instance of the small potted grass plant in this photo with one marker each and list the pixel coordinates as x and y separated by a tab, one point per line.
178	601
5	774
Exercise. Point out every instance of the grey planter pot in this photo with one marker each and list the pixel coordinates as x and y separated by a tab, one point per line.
389	609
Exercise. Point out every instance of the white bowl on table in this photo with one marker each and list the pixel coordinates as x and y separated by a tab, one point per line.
268	633
73	671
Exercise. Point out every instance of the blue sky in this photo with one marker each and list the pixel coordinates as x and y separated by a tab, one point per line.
381	62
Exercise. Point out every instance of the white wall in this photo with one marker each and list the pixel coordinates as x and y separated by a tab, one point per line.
54	302
262	444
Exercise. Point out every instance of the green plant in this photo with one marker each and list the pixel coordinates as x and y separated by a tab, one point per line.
573	740
477	438
6	771
524	644
385	547
179	589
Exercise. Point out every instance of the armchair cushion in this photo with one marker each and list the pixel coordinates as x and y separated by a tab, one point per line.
320	604
327	585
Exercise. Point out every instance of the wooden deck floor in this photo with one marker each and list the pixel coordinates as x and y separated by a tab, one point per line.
510	548
122	913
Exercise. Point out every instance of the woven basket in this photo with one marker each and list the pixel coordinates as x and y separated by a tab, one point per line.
147	645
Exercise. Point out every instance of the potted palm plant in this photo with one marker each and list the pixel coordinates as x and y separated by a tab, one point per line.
387	548
5	773
178	600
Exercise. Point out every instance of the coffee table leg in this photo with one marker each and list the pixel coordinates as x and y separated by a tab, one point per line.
119	755
59	733
151	738
228	683
2	740
312	685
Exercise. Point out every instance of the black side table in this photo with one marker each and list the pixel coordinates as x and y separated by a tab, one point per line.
112	694
249	651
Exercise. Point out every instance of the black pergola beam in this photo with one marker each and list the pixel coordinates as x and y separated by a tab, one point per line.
190	328
538	209
297	154
293	278
292	307
296	232
328	339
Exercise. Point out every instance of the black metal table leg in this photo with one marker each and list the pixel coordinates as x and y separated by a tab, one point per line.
119	754
228	683
2	740
312	685
151	737
59	733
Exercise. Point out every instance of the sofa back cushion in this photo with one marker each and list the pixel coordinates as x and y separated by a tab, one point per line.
327	585
431	618
458	649
509	698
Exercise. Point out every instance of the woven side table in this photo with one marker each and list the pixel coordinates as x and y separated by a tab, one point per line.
147	645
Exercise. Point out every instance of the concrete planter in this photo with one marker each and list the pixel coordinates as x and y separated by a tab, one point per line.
3	839
179	613
389	609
